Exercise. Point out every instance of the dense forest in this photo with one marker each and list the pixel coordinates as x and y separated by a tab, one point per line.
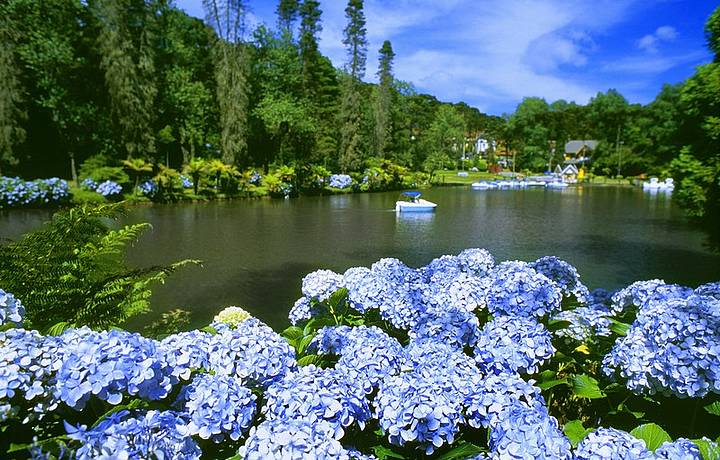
113	80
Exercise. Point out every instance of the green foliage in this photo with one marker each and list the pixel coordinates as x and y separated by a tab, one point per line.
653	435
170	322
73	270
576	432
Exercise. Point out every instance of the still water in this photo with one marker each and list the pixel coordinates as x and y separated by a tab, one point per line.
256	252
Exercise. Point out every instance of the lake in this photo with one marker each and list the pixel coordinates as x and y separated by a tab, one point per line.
256	252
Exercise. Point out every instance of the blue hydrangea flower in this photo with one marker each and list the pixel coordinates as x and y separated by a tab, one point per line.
313	394
634	295
321	284
109	188
301	311
476	261
15	192
252	352
296	439
366	354
414	408
185	181
27	371
709	290
88	184
585	323
611	444
153	434
564	275
515	288
523	432
341	181
455	326
187	352
673	347
217	406
486	400
513	344
255	178
680	449
110	365
148	188
433	358
11	309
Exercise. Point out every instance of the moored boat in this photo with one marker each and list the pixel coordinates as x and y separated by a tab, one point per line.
413	203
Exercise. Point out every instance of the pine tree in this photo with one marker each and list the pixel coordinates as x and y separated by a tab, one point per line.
126	45
287	12
383	100
310	28
351	111
227	17
11	113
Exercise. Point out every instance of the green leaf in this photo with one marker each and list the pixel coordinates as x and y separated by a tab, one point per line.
337	297
653	435
293	333
557	324
552	384
309	359
382	453
708	449
462	450
304	343
585	386
58	328
134	404
618	327
576	432
713	408
209	330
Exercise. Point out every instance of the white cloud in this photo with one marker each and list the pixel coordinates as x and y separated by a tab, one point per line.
652	64
651	41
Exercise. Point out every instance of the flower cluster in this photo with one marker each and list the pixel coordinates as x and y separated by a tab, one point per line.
295	439
88	184
11	309
185	181
585	322
528	432
487	402
188	352
255	178
109	188
634	295
416	408
366	354
153	434
515	288
251	351
15	192
110	365
564	275
611	444
148	188
341	181
315	394
232	316
680	449
673	347
513	344
217	406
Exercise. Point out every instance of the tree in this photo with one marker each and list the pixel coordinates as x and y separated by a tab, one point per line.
351	109
126	44
231	68
383	99
530	136
287	12
11	110
443	139
712	33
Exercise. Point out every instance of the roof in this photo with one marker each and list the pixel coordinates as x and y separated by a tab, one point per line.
412	194
576	146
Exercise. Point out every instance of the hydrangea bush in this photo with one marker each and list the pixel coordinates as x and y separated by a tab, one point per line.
18	193
461	358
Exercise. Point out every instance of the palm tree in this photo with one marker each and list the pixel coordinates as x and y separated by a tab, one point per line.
137	167
195	169
218	169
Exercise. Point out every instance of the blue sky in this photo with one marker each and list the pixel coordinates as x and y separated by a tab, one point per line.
492	53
